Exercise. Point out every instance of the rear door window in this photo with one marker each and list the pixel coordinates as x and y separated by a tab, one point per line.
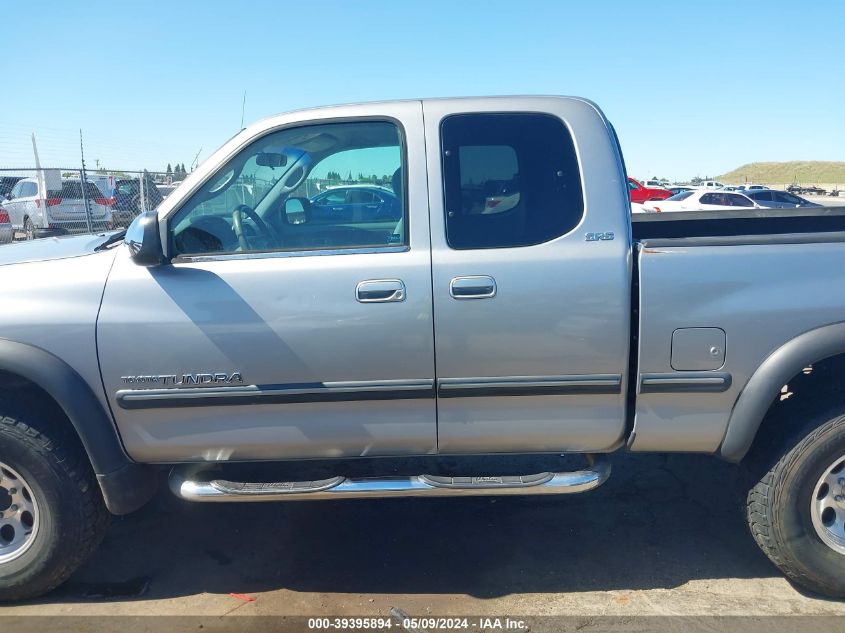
735	200
781	196
510	180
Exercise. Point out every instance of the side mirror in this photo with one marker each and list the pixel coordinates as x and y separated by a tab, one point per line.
297	210
9	196
144	241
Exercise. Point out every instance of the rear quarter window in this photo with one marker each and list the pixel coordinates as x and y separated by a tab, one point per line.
509	180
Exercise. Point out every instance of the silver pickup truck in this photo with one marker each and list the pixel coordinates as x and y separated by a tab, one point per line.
385	300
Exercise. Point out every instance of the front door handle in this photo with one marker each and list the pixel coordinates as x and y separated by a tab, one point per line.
380	291
473	287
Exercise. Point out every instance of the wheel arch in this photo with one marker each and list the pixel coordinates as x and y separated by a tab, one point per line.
125	484
767	381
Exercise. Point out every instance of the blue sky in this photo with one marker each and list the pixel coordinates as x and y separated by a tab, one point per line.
693	88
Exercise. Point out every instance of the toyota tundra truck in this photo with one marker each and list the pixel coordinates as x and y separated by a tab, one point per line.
505	332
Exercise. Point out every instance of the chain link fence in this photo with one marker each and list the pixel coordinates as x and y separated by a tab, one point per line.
55	201
61	181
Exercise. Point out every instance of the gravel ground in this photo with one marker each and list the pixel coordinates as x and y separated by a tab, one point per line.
664	536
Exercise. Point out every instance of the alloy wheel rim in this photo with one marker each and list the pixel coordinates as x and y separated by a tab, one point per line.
18	514
827	506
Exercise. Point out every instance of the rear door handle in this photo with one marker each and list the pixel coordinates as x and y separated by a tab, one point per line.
380	291
473	287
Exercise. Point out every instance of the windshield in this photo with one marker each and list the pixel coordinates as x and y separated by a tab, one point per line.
72	189
680	196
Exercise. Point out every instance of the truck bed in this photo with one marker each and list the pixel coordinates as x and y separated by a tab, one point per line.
744	226
751	281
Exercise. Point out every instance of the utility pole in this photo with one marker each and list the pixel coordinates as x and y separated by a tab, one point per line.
243	107
195	162
84	179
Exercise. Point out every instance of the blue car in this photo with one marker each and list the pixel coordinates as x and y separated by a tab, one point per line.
356	203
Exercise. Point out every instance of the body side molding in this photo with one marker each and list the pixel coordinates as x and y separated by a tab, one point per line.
768	379
529	385
685	382
275	394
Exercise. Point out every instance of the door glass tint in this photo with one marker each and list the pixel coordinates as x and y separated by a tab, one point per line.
317	187
738	201
510	180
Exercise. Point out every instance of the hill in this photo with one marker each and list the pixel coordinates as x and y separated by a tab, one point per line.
804	171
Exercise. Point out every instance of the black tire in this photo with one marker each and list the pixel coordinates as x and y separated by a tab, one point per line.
72	517
28	229
784	475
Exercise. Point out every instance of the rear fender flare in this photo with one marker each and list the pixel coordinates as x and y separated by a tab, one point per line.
769	378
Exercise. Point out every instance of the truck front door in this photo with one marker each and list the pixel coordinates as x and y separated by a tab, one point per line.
531	276
272	334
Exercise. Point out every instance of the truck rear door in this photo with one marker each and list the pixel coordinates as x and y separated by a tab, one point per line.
531	275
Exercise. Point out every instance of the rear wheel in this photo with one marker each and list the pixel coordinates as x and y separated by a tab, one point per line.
796	505
29	229
52	514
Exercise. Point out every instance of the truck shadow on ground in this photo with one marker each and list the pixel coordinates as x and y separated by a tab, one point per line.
659	522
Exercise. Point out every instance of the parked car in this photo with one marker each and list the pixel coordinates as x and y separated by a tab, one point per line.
165	190
640	193
446	353
126	201
351	203
709	184
702	200
774	199
658	184
749	187
7	183
7	233
813	190
63	211
676	189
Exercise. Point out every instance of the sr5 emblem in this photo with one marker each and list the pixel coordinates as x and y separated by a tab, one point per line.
595	237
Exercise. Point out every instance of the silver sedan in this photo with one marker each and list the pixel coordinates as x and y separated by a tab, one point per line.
774	199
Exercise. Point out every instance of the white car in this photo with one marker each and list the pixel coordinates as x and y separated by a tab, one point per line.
702	200
659	184
636	207
62	212
710	184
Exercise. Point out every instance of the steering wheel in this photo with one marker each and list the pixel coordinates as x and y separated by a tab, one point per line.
237	226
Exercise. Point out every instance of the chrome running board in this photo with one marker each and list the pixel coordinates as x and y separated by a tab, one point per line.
198	489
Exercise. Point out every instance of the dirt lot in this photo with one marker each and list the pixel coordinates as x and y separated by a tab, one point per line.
664	536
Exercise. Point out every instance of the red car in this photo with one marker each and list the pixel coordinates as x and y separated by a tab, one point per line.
640	193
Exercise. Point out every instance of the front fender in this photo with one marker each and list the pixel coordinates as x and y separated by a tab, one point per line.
125	485
768	380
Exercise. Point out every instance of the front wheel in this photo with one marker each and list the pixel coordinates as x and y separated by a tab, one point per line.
796	506
52	514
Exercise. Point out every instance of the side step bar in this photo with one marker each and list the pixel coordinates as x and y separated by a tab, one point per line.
374	487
